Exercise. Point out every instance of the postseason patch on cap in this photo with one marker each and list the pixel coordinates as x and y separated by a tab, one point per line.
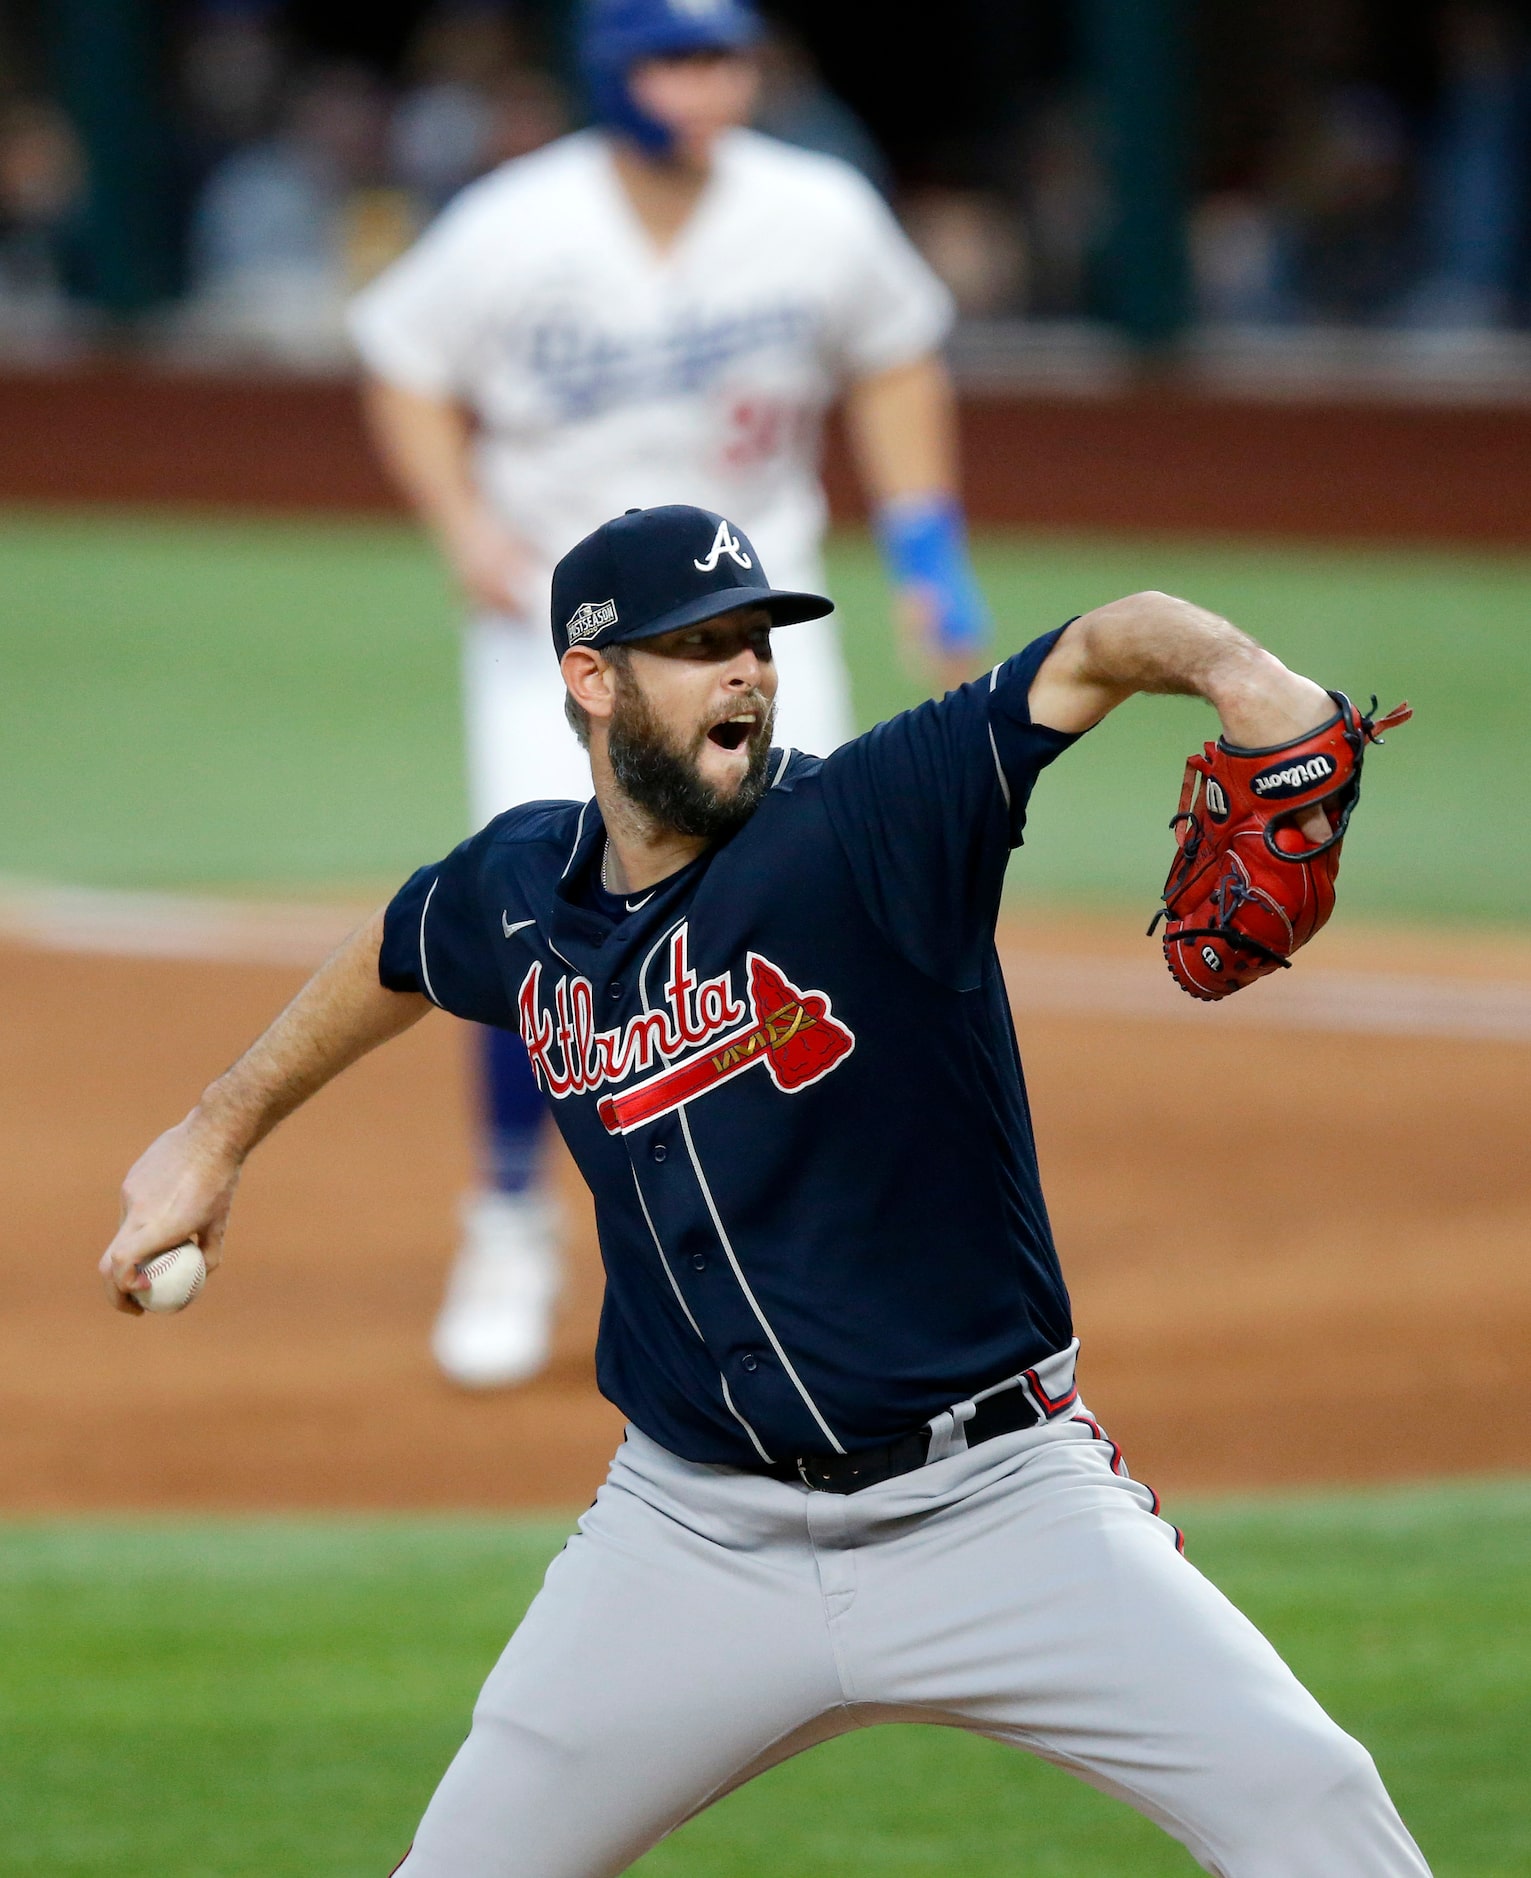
591	618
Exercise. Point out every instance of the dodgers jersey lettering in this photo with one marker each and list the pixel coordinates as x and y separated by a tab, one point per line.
790	1078
607	375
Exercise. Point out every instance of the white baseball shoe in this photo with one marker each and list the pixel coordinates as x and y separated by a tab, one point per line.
496	1321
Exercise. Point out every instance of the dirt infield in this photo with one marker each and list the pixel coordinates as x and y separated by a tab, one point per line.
1296	1254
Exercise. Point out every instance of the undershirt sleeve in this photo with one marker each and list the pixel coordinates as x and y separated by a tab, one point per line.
929	805
439	941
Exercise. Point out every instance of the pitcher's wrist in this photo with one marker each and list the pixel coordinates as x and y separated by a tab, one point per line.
1259	702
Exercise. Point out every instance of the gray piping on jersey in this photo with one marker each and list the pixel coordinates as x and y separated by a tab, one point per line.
425	970
750	1298
648	1220
681	1301
733	1409
643	969
579	834
723	1239
999	768
781	767
643	999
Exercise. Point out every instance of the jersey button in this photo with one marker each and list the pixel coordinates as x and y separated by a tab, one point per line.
699	1261
614	990
749	1363
658	1151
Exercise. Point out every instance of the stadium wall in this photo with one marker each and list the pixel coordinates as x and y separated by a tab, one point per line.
1158	459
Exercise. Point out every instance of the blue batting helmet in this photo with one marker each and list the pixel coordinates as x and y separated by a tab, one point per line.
616	34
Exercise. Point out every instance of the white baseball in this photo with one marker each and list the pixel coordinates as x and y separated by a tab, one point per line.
175	1277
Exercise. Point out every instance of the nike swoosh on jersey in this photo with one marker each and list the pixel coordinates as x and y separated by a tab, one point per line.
507	928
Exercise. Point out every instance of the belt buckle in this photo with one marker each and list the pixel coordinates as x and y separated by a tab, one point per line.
802	1474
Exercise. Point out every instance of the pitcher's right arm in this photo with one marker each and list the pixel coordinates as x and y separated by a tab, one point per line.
182	1186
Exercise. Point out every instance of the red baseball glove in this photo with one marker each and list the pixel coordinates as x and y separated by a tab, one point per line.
1247	887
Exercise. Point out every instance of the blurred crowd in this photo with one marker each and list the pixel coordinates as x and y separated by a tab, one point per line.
1399	203
310	177
1347	199
300	177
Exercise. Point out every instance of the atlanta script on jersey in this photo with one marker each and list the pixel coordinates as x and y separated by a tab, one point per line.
789	1078
702	1035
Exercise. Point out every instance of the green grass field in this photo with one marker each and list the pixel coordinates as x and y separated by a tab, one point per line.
271	705
264	1698
265	703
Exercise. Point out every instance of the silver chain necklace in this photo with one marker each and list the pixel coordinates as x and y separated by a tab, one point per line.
631	905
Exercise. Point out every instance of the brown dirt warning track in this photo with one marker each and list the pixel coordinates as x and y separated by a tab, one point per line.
1297	1236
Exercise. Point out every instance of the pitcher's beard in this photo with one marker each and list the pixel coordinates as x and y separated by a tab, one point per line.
666	784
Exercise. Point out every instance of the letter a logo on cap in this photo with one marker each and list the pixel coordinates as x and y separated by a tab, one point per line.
725	541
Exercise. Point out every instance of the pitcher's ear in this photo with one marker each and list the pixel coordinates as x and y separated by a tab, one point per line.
589	679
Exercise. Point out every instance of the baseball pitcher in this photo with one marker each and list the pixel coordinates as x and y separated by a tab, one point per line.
760	994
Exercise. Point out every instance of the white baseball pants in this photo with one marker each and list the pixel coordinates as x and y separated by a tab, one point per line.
705	1624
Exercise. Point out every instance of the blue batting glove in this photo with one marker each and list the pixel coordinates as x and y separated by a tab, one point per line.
924	544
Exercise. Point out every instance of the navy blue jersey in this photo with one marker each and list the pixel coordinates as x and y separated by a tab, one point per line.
789	1075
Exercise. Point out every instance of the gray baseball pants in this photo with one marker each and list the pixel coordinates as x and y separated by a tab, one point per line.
703	1625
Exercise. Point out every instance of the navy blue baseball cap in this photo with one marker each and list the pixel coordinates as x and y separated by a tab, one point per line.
653	570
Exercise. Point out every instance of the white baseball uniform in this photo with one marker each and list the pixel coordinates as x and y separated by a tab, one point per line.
607	375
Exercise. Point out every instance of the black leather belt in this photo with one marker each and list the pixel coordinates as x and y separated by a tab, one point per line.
1001	1414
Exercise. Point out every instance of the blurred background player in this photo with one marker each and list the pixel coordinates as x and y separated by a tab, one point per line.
658	309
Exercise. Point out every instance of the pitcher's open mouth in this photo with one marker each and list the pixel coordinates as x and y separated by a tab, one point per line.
733	732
